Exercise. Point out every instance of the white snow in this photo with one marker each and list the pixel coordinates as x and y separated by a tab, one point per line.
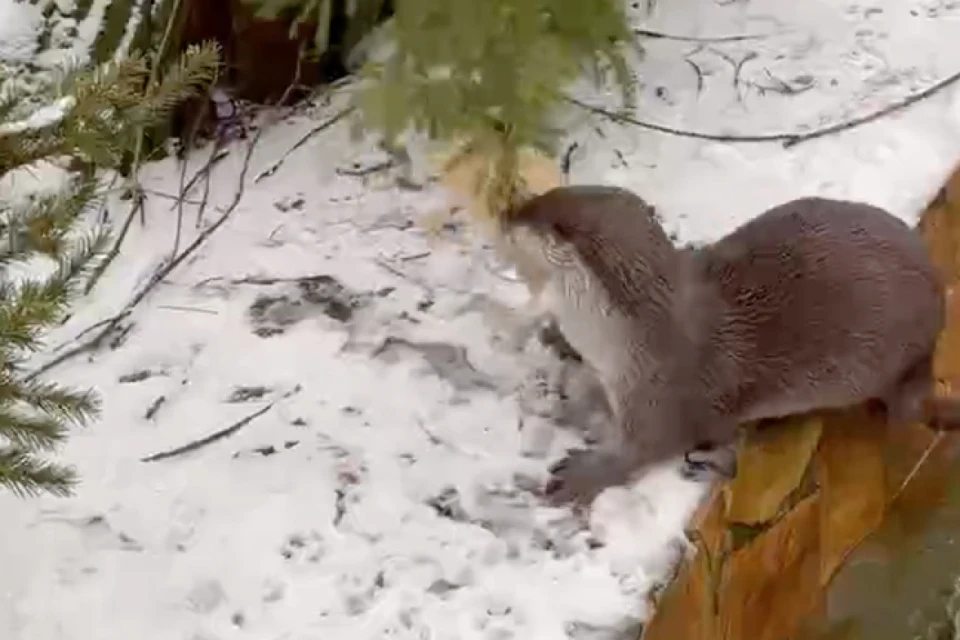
18	26
315	519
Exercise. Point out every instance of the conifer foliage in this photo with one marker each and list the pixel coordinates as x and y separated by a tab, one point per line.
485	75
93	118
491	75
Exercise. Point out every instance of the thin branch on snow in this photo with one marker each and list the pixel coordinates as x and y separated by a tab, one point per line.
787	139
214	154
217	154
139	197
386	266
909	100
170	196
179	203
658	35
326	124
216	436
365	171
210	439
113	322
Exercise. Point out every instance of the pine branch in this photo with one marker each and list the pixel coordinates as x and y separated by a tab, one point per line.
184	79
36	305
64	404
25	476
35	432
43	225
101	119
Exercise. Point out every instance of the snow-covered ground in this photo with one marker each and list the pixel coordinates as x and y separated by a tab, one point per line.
385	484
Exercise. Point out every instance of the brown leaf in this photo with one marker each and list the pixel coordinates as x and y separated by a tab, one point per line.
850	470
941	231
946	361
951	190
771	585
929	483
709	522
470	174
686	608
770	464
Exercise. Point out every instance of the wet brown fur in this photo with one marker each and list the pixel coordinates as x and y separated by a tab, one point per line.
814	304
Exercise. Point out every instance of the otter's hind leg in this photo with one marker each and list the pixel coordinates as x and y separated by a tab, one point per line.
905	402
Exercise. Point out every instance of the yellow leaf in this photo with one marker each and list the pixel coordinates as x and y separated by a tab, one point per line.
772	584
684	610
771	463
850	470
708	523
469	176
914	452
946	363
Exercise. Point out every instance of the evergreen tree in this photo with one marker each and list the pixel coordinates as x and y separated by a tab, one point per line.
94	118
489	75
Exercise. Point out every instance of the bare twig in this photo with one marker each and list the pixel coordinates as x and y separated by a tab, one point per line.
787	139
647	33
437	441
95	341
222	433
920	462
151	81
174	307
139	197
170	196
567	159
365	171
217	154
326	124
780	86
737	66
214	153
698	71
903	485
210	439
183	194
909	100
102	214
258	281
386	266
108	325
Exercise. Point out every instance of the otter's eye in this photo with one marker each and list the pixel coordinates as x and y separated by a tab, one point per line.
557	253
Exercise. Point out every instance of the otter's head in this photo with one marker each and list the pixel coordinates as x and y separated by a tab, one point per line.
608	231
536	253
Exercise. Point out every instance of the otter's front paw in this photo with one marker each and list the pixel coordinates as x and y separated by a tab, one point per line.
583	475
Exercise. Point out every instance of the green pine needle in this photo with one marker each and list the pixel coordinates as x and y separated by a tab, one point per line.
25	476
108	108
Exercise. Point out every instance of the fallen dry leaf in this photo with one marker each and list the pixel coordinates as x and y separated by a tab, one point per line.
940	227
914	502
773	583
685	608
852	478
709	523
466	178
771	462
941	231
946	363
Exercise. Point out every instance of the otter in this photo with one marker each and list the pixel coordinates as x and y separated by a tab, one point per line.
814	304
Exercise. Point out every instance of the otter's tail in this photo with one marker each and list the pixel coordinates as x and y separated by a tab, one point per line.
943	413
